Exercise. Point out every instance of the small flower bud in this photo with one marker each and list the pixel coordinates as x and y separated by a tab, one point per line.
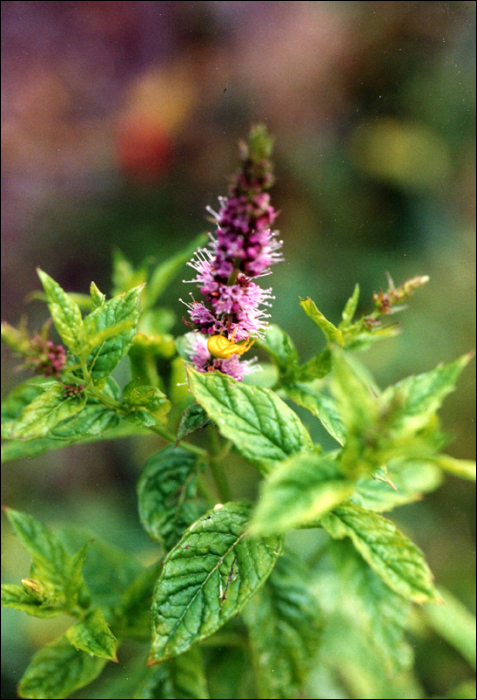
72	390
34	589
385	302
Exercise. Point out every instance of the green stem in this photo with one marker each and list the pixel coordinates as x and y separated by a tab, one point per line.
226	639
170	437
105	400
234	274
216	466
158	429
223	454
221	480
143	366
205	491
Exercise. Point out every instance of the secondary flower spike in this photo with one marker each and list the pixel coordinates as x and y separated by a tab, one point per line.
241	250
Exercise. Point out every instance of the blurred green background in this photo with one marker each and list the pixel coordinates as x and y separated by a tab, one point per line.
120	123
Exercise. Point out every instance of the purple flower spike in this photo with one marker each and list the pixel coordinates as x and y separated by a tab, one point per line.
242	249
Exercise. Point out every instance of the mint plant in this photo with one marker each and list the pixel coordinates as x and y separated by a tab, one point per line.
231	608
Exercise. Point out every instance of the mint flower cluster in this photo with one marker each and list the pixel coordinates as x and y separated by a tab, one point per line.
241	250
41	355
47	357
385	302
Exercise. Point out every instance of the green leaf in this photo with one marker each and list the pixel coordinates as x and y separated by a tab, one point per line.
48	409
165	487
50	558
180	678
352	657
76	591
94	419
89	424
357	404
125	277
317	367
18	399
350	308
410	479
193	418
93	636
97	297
16	338
415	400
83	300
99	338
207	579
299	491
361	607
132	615
322	406
144	418
122	309
167	270
332	334
360	336
284	626
397	425
157	323
389	553
17	450
108	571
281	349
147	404
157	345
355	395
454	623
58	670
64	311
380	615
261	426
17	597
